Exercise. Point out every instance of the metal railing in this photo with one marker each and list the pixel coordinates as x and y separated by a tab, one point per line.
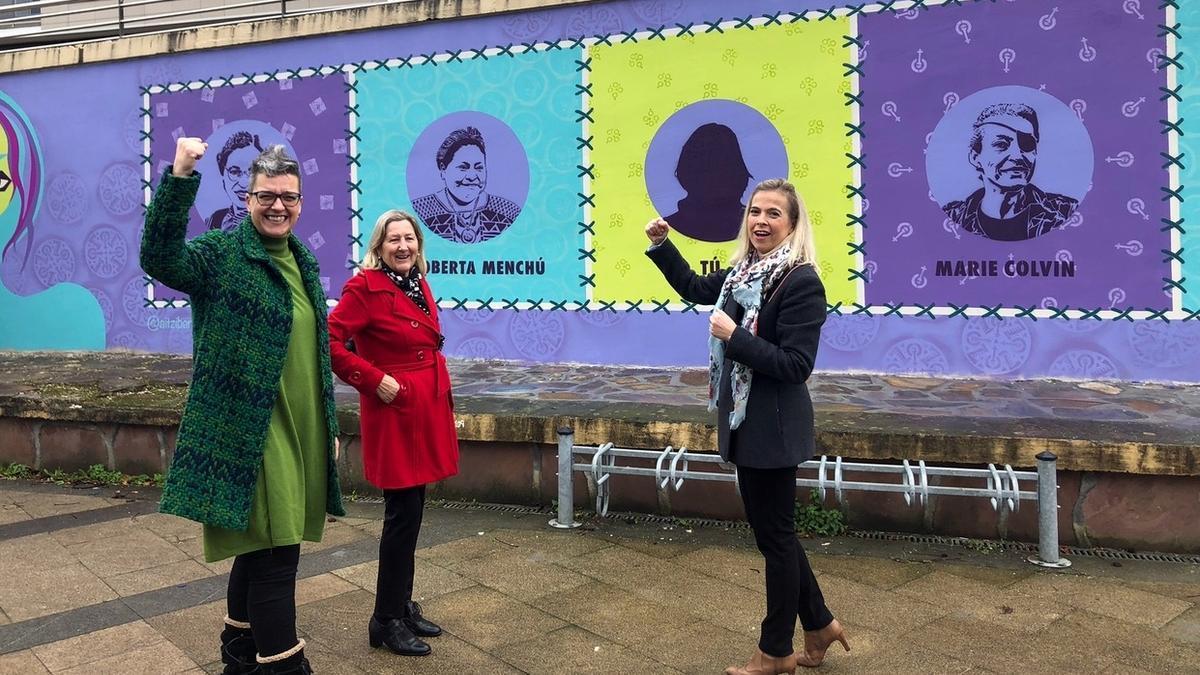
1004	487
38	23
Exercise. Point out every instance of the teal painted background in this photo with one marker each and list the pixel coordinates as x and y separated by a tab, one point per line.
1189	16
536	95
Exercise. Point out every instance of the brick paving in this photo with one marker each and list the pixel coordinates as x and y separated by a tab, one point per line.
95	581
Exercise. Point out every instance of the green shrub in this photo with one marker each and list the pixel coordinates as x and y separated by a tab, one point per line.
814	520
16	470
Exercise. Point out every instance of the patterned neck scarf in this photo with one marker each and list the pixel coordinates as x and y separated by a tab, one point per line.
410	284
746	284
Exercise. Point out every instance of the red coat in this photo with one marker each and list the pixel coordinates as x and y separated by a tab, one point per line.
412	440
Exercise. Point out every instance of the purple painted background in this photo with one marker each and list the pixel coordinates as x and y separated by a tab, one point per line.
308	115
1090	56
506	161
89	224
758	140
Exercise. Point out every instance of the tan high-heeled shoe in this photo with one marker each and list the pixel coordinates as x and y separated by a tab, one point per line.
761	664
817	642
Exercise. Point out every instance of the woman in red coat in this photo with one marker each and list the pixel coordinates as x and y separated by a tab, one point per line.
407	418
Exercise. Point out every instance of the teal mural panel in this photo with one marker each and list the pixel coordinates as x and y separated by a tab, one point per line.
484	152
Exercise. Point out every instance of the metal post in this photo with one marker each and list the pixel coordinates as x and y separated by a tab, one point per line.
1047	555
121	17
566	480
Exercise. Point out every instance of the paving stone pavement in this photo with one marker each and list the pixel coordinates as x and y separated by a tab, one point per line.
95	581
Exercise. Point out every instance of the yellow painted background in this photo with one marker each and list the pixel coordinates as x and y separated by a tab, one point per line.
793	74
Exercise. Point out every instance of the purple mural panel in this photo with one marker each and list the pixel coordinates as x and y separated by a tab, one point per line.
305	115
1012	348
1014	157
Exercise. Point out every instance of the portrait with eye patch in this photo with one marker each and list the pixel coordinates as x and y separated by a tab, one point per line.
1008	206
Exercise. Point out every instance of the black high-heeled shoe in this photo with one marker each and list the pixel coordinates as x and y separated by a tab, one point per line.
397	637
418	624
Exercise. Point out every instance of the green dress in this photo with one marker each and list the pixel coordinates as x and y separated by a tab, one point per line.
289	496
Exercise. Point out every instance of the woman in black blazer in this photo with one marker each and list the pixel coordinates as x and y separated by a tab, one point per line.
770	305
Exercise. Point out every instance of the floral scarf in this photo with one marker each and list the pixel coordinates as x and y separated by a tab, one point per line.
746	284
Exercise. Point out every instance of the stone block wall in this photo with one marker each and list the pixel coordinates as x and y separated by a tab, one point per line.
1131	511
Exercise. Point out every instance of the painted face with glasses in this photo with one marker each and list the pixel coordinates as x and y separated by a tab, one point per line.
274	203
237	174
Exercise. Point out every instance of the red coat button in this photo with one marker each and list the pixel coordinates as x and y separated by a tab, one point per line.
420	355
356	377
415	324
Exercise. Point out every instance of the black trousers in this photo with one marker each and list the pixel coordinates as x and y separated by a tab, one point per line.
262	592
769	496
402	511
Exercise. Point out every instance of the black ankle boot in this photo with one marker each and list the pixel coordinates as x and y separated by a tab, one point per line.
418	624
396	636
292	664
237	649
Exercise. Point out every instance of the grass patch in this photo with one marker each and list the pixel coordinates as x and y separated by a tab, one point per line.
95	474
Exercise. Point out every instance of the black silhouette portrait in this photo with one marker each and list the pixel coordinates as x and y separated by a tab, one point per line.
463	211
233	163
713	173
1008	207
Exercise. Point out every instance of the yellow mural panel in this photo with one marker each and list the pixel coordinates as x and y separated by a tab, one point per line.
782	91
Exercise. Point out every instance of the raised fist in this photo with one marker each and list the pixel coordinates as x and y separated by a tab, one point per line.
188	151
657	230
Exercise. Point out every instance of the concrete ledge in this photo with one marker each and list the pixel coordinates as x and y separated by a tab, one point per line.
1125	428
68	411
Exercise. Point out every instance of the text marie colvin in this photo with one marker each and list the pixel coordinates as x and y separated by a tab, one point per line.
1005	268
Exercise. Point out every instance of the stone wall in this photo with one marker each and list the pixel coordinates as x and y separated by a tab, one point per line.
1142	512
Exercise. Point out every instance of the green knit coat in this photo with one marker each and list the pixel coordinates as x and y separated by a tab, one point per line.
241	322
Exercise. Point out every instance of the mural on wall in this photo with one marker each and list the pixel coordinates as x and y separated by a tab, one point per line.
487	163
1016	158
66	314
239	119
997	188
685	126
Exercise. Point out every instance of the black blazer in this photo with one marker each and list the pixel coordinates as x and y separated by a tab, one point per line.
778	429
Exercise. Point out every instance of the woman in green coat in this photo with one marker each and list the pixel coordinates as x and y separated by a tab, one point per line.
254	462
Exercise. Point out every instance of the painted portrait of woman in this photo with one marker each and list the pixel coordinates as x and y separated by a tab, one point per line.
64	316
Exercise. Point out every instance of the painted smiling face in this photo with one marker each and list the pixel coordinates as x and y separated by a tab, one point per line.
236	179
466	174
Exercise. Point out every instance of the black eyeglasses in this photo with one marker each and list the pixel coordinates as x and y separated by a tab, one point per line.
267	199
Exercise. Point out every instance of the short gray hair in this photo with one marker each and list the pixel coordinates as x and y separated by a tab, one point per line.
1020	110
274	161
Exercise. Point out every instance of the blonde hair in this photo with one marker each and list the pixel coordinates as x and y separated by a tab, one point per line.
373	260
803	249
